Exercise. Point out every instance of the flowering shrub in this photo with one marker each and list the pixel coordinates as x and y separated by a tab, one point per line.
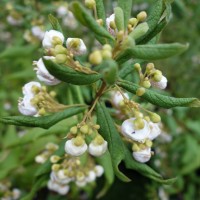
106	120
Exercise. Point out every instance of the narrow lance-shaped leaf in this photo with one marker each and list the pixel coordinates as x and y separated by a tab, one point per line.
54	23
126	6
45	121
69	75
159	99
110	134
152	52
106	162
88	20
101	11
119	18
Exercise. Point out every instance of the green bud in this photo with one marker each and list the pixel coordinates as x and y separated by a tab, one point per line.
59	49
90	4
135	147
133	21
79	141
56	41
106	54
137	66
155	118
107	47
138	123
112	25
142	16
100	22
42	112
140	91
95	57
148	143
61	58
73	130
146	84
84	129
54	159
157	77
55	167
150	66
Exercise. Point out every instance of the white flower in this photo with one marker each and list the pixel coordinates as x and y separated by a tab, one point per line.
63	179
81	183
162	84
117	99
143	155
155	130
43	74
90	177
49	36
40	159
27	88
37	32
99	170
128	129
74	150
70	21
62	11
26	108
76	46
97	150
108	21
52	185
13	21
16	193
63	189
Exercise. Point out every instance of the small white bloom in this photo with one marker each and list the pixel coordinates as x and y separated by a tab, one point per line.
70	21
97	150
143	155
162	84
26	108
99	170
90	177
37	32
40	159
62	11
52	185
43	74
108	21
27	88
63	178
74	150
13	21
16	193
128	129
117	99
155	130
76	45
81	183
48	38
63	189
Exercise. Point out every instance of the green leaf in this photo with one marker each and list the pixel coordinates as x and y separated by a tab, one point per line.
153	20
110	134
18	52
139	31
41	182
69	75
152	52
54	23
101	11
119	18
159	99
43	122
88	20
126	6
106	162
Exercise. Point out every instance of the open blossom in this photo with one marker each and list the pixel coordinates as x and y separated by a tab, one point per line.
76	46
37	32
155	130
129	130
43	74
97	149
142	155
25	106
162	84
59	188
110	19
73	149
50	36
117	99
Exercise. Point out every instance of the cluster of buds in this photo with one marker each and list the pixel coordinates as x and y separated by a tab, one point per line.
139	129
151	77
50	148
97	56
77	145
69	169
6	193
37	101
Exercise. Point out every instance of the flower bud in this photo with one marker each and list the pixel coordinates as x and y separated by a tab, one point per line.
90	4
73	130
100	22
143	155
59	49
61	58
106	54
140	91
95	57
54	158
99	170
155	118
137	66
84	129
133	21
55	167
146	84
107	47
142	16
139	123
